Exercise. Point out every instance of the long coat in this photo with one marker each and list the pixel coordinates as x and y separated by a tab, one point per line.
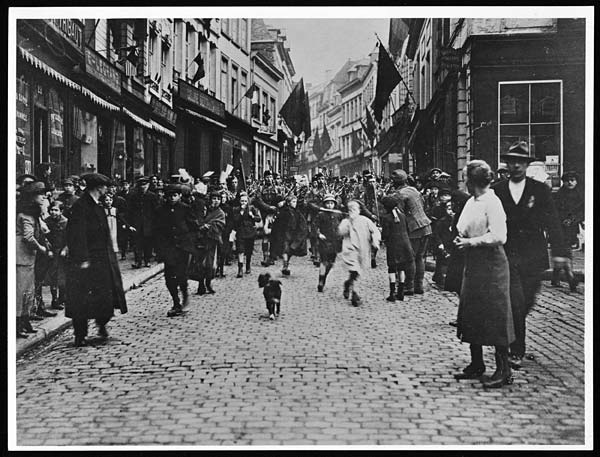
141	210
359	235
399	251
244	223
175	229
327	225
294	230
92	292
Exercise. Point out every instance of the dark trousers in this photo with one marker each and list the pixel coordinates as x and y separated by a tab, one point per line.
143	248
80	325
176	275
525	282
415	275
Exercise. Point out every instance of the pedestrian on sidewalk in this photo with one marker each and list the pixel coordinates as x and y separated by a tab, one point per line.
570	205
175	228
330	241
360	235
94	285
411	203
29	243
243	223
530	215
484	311
141	206
57	239
399	252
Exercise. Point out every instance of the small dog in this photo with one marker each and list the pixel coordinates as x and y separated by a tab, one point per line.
272	293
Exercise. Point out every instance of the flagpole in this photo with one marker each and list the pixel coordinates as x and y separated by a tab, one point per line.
398	70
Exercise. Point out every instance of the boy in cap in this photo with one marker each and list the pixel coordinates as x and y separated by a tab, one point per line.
175	226
330	242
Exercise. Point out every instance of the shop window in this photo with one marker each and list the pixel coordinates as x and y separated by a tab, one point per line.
138	151
531	111
119	152
56	130
23	124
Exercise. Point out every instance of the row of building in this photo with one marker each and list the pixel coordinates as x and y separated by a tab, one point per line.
471	87
131	97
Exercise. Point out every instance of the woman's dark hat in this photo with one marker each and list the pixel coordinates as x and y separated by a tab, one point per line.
570	174
518	151
93	180
173	188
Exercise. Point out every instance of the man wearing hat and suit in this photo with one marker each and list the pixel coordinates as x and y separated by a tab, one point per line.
94	285
530	213
411	203
175	228
141	206
313	201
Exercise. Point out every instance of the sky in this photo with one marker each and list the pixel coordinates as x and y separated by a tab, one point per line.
318	45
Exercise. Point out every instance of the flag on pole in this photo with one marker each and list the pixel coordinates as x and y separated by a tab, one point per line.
250	92
306	128
325	141
387	79
316	146
293	110
370	130
200	73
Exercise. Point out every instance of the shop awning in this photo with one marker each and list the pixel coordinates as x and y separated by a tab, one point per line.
205	118
136	118
159	128
33	60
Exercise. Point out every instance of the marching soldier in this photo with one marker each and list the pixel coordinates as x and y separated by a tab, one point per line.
268	199
313	201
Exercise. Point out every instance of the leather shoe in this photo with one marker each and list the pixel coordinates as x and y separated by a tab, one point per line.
80	342
470	372
175	311
346	289
102	331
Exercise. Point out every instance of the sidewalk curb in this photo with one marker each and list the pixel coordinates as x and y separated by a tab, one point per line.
60	323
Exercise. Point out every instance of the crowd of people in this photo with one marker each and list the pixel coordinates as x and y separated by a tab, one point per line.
490	245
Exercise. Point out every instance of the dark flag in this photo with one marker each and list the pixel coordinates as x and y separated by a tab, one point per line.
325	141
200	73
306	129
250	92
356	143
316	146
293	110
370	130
387	78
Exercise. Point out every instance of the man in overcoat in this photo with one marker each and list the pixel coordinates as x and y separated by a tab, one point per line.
94	285
530	215
411	203
142	204
175	228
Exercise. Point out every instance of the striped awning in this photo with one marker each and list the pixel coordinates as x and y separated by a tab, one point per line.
159	128
33	60
136	118
205	118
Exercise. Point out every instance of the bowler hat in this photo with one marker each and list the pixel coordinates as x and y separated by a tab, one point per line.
93	180
569	174
518	151
142	180
34	188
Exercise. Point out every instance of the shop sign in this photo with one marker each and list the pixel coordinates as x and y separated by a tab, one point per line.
394	157
102	70
163	110
71	29
203	100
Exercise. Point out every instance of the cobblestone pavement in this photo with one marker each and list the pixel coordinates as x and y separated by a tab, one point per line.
323	373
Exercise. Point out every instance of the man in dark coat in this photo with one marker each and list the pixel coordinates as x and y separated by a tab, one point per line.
530	214
94	285
141	206
411	203
175	227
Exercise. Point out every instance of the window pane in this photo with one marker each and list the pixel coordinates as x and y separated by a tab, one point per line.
514	103
545	102
545	141
510	134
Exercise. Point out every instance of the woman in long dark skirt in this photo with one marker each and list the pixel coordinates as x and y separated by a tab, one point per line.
484	310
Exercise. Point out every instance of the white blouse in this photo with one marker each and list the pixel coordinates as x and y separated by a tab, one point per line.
483	220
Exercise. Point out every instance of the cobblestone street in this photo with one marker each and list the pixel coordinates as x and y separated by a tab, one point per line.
323	373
